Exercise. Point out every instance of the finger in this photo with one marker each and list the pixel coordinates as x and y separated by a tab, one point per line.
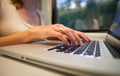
77	38
61	37
71	37
88	39
83	36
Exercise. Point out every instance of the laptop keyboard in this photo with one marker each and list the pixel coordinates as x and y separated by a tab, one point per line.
88	49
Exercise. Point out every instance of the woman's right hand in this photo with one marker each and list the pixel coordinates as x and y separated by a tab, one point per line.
66	35
44	32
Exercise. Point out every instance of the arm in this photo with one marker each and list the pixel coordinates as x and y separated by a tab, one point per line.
31	34
43	32
18	38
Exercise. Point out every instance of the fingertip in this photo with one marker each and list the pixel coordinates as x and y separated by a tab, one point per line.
67	43
89	40
80	43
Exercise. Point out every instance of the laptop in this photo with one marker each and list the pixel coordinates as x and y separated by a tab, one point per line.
96	58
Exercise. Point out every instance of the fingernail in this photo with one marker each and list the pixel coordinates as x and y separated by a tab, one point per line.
68	44
76	43
81	43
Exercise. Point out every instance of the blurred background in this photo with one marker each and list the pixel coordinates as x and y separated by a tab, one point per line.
83	15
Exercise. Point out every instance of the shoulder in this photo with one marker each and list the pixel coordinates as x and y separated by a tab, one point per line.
9	20
6	5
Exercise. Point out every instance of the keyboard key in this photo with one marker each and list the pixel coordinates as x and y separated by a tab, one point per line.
82	48
57	47
71	49
90	50
97	53
63	48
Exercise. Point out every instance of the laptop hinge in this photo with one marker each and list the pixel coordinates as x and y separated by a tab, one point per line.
114	51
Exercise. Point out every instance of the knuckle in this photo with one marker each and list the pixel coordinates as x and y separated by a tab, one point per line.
72	31
67	31
60	35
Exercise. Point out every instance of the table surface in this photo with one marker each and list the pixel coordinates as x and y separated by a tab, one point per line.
14	67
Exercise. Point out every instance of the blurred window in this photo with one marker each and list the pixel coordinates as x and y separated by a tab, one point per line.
85	14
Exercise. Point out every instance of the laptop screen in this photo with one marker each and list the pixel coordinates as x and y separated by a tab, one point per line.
114	32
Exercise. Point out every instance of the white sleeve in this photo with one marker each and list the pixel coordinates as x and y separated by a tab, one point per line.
42	18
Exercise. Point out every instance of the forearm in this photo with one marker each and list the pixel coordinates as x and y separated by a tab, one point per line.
18	38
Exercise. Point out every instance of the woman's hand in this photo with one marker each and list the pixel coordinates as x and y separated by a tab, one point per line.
73	36
65	34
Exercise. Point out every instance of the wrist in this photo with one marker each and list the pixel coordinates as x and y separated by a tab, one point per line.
28	36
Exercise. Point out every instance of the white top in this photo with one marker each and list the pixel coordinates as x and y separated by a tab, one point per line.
10	21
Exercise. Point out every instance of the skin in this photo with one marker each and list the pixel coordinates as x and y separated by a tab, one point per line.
28	14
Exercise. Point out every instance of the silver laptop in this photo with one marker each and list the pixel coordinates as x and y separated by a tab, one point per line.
93	58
